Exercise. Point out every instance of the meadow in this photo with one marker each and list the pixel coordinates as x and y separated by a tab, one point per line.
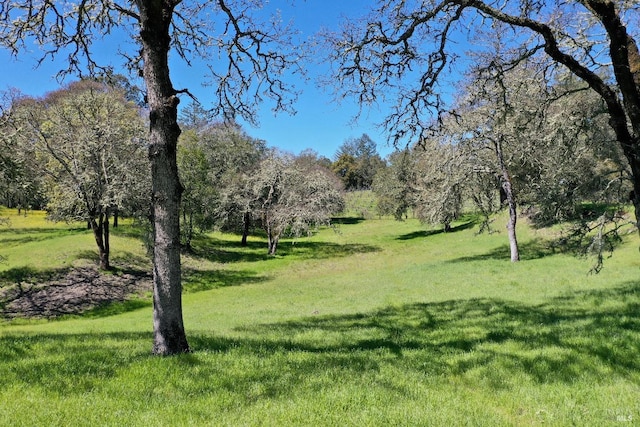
373	322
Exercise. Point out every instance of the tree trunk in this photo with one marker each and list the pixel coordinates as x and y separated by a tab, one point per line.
246	223
187	231
168	327
101	235
107	244
273	244
513	216
505	184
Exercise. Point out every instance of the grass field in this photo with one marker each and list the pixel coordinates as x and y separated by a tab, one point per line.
376	323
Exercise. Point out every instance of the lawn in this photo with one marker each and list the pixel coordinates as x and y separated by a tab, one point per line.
375	322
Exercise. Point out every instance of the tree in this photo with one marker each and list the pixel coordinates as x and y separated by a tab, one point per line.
89	143
574	160
409	47
210	158
255	56
292	196
357	162
199	193
440	185
21	186
394	185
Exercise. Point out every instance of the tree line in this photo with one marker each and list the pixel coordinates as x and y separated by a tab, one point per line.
81	154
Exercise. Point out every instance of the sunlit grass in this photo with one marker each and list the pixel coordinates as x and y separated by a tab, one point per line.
375	323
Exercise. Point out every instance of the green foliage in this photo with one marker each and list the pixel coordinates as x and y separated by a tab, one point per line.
357	163
85	140
360	204
394	185
211	161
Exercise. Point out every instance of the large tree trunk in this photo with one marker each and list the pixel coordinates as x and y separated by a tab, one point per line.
168	327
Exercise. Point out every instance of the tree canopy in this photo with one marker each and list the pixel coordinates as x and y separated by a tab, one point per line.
87	142
410	50
292	196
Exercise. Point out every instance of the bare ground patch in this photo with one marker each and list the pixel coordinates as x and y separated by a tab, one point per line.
72	292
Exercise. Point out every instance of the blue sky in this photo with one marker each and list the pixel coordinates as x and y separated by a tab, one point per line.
319	124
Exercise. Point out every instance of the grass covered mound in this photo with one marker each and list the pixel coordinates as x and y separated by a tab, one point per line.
377	323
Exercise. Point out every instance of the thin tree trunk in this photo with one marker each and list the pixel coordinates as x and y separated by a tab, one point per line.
168	326
505	183
246	222
273	244
107	244
101	235
513	216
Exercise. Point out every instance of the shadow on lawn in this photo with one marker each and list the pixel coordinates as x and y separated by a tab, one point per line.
204	280
533	249
323	250
588	336
225	251
26	292
427	233
594	334
21	236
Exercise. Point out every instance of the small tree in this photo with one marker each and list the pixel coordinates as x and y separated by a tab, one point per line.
21	185
88	139
210	158
292	197
440	183
395	185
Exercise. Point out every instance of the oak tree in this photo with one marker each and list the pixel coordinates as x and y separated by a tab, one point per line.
292	197
88	141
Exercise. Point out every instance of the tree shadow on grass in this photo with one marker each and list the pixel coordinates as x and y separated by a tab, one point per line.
223	251
427	233
203	280
323	250
73	291
27	274
81	362
591	337
585	334
21	236
347	220
533	249
121	261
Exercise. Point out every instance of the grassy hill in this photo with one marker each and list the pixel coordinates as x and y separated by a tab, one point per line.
374	323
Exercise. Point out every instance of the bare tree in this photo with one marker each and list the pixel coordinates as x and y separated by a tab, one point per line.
254	57
410	48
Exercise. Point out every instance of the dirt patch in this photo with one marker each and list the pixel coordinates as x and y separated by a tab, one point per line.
73	292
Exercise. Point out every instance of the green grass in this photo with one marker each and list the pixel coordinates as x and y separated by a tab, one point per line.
379	323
